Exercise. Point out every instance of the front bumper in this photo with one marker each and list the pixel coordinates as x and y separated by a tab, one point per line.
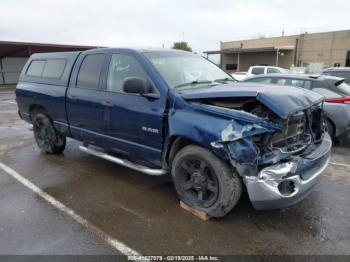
285	184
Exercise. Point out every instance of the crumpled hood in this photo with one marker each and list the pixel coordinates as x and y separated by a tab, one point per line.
282	100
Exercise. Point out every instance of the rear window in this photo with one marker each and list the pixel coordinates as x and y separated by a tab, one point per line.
258	71
342	74
54	68
50	68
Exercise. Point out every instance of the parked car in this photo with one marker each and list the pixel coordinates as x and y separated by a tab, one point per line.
336	91
144	109
239	76
343	72
263	70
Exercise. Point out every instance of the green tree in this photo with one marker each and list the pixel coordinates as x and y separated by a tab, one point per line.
182	46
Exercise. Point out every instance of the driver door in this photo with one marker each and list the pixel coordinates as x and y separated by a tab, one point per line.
133	123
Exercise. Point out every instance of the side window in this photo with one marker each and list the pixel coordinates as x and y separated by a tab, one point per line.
54	68
258	71
273	71
297	83
282	82
90	71
121	67
264	80
307	84
36	68
344	74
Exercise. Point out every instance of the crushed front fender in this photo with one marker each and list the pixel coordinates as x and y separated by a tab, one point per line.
237	137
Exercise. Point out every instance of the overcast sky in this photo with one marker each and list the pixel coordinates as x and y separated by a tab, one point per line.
154	23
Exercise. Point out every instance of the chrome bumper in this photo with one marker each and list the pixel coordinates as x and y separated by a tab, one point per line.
285	184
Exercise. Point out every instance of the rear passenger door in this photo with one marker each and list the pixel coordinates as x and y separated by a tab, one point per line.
84	102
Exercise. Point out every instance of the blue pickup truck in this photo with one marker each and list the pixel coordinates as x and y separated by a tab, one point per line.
173	112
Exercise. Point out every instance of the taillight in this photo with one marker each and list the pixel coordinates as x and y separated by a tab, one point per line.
339	100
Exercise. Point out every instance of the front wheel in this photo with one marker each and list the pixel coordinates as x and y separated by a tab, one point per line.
46	136
205	182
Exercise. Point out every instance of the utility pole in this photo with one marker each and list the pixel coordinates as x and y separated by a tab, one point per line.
2	73
238	58
238	62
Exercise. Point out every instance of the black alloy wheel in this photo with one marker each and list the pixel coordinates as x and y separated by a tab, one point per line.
198	182
205	182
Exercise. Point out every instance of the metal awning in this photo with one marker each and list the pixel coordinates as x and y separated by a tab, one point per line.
250	50
24	49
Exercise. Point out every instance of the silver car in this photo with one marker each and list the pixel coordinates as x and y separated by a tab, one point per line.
342	72
334	89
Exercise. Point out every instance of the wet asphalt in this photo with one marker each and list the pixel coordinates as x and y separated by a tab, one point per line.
143	212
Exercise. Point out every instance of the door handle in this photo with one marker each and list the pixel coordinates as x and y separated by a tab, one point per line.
107	103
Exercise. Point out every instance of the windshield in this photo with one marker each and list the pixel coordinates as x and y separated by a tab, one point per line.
182	70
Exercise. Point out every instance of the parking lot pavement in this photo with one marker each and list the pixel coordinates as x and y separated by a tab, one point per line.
28	225
143	212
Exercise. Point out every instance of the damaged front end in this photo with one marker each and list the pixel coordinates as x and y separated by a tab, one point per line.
279	158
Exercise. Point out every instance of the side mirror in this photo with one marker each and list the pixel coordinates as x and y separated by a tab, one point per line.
136	85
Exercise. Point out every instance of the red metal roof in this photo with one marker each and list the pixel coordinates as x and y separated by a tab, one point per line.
23	49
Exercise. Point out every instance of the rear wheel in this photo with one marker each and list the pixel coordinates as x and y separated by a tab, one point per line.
205	182
46	136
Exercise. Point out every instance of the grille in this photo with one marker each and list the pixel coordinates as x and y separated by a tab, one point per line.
293	133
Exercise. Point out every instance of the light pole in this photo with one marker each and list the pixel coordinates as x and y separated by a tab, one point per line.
277	55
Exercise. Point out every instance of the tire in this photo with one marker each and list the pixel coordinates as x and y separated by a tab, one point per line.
46	136
331	129
205	182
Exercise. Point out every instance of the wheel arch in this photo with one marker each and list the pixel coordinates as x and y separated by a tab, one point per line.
176	143
334	127
36	108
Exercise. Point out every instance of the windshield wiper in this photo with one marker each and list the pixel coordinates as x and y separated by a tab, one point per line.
192	83
220	80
